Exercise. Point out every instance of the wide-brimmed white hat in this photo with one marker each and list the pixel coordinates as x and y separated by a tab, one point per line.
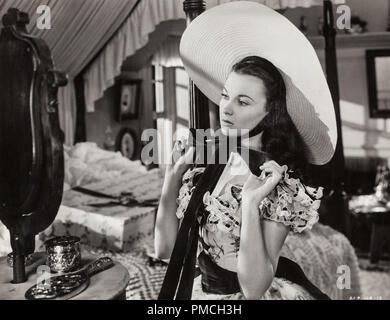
225	34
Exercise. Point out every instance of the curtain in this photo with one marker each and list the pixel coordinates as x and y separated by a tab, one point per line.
133	35
279	4
168	54
79	30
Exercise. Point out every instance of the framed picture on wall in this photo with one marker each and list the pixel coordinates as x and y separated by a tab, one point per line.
129	100
378	77
126	143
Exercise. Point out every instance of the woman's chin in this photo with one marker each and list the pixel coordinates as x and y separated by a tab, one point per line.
229	131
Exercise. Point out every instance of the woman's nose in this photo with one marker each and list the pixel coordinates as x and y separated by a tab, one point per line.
227	109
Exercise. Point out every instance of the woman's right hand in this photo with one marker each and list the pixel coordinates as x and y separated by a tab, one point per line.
167	223
182	157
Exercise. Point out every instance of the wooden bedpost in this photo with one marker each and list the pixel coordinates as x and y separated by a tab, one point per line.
198	102
337	209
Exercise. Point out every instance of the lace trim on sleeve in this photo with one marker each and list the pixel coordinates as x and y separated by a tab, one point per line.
223	210
292	204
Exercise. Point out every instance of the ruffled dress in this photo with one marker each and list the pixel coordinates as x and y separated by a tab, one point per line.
291	203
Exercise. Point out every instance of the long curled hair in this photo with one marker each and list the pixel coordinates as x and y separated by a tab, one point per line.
280	138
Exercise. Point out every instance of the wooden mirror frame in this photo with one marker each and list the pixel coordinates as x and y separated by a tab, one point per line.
371	55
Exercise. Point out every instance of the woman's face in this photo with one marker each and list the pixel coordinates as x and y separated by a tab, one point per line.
242	105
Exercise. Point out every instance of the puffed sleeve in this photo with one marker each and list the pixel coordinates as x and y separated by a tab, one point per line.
186	189
293	204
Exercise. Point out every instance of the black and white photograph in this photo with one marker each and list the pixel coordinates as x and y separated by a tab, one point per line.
216	151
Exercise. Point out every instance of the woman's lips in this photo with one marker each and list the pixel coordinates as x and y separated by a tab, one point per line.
227	122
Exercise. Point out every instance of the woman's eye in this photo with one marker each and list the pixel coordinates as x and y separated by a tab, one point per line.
243	103
224	95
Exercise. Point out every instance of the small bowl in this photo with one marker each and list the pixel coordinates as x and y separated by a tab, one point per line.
63	254
28	260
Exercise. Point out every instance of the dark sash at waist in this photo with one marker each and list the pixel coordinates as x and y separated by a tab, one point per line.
218	280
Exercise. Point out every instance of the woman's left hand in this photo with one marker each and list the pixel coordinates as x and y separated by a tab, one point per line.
256	189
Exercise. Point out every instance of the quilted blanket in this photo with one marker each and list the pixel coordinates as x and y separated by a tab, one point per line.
325	255
328	260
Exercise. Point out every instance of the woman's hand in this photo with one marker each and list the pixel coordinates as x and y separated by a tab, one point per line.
167	223
181	158
256	189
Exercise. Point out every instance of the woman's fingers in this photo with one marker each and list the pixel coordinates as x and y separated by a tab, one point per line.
270	173
256	188
188	157
180	148
274	165
183	161
176	151
272	162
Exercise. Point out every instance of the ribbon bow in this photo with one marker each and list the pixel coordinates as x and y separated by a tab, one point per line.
124	199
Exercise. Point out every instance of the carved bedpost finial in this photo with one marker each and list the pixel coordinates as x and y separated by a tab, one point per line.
193	8
57	78
17	18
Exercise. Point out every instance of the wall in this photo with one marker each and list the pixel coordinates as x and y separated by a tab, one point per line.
362	136
137	66
105	109
375	12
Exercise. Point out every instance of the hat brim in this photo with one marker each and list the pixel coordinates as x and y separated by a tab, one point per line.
225	34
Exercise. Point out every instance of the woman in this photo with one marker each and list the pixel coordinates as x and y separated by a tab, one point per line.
244	219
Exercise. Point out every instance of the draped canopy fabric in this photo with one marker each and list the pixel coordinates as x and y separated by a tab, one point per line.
168	54
134	34
130	37
80	28
279	4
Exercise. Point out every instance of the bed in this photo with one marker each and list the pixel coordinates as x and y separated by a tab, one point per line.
325	254
112	227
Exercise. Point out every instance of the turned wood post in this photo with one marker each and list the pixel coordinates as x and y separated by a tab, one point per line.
338	209
198	102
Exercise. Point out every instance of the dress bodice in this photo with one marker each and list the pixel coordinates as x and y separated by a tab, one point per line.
291	203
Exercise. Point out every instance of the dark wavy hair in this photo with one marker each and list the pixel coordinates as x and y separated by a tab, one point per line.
280	138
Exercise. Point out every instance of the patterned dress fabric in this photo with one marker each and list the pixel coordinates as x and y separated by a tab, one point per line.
291	203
